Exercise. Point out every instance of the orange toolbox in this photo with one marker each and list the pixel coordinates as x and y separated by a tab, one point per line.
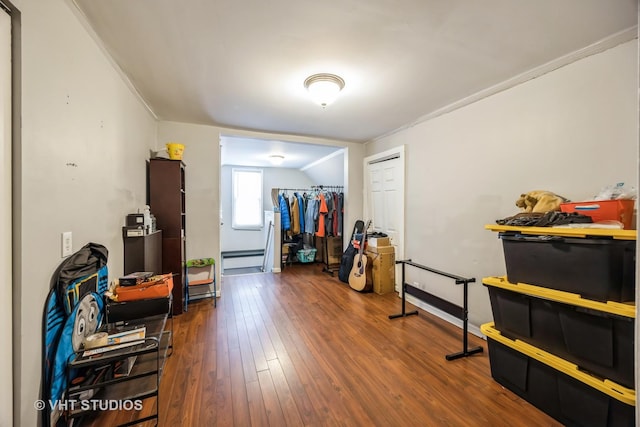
155	287
603	210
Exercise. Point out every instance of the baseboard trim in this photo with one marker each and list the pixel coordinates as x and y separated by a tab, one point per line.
473	329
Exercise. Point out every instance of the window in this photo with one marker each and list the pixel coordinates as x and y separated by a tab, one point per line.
247	199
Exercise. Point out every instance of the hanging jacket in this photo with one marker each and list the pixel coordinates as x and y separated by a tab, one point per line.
340	213
310	216
300	211
322	213
295	216
284	213
328	199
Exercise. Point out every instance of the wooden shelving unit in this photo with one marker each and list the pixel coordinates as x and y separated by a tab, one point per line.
167	199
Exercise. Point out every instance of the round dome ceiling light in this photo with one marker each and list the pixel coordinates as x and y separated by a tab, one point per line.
324	88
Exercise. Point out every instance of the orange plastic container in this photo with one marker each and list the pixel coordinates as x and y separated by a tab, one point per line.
156	287
603	210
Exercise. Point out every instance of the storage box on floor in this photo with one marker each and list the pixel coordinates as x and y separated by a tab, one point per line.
383	261
334	250
557	387
596	336
564	316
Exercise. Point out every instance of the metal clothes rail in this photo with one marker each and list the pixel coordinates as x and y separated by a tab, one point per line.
336	188
461	313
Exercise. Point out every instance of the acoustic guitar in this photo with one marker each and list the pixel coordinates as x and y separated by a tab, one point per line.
358	276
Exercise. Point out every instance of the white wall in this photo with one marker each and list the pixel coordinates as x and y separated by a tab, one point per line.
571	131
202	176
85	139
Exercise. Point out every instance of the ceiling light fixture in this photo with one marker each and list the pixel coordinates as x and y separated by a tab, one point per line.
276	159
324	88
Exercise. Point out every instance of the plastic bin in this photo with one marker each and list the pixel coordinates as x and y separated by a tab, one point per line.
175	150
598	337
306	255
603	210
595	268
556	386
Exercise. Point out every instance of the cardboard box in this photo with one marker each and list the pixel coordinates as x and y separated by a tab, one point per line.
379	241
334	250
383	269
381	249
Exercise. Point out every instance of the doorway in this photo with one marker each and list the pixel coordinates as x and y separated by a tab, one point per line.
283	164
384	197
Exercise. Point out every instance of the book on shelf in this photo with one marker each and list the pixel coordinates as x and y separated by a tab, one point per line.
118	340
107	348
137	333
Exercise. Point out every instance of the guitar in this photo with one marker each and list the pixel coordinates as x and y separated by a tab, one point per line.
358	276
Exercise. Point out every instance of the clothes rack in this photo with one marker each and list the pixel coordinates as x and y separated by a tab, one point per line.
312	191
312	188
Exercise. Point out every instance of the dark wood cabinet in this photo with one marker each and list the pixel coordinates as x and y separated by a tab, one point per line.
143	253
167	202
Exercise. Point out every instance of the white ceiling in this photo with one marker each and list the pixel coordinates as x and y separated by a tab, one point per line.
256	152
242	63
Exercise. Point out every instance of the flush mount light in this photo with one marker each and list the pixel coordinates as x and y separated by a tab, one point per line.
276	159
324	88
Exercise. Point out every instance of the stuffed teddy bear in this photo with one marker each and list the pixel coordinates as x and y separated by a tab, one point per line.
540	201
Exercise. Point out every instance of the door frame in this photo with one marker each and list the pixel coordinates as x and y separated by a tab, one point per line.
399	152
7	371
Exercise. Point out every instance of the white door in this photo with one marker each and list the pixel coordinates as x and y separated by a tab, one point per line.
384	183
6	381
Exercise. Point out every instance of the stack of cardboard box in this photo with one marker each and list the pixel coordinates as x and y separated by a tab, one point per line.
381	256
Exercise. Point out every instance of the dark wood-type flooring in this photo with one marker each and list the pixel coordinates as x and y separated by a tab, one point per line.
301	348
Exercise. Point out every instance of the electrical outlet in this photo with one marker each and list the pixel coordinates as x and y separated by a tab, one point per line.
67	244
416	284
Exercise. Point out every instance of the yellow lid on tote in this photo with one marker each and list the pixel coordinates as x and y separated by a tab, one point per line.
610	388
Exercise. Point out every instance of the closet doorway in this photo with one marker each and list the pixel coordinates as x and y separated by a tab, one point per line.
255	248
384	192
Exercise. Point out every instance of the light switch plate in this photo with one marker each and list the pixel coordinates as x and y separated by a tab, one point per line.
67	244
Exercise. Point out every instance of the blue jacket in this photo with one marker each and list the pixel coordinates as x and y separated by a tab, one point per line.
284	213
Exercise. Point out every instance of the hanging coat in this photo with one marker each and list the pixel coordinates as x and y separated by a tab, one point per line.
284	213
300	211
295	216
310	216
340	213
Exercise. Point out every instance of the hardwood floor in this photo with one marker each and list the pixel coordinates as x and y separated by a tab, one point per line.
301	348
